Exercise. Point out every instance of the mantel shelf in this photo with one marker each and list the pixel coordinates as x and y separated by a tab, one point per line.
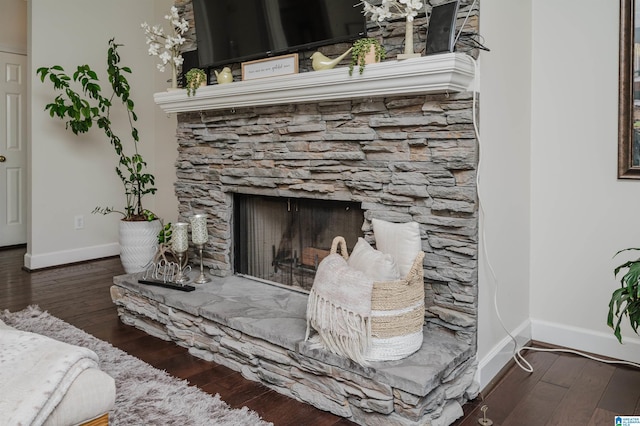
451	72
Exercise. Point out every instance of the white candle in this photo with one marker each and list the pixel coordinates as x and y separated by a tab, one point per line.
199	231
179	237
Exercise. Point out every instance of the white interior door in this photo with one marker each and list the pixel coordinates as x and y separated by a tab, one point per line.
13	149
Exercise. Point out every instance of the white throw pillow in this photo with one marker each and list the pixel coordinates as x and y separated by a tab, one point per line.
373	263
400	240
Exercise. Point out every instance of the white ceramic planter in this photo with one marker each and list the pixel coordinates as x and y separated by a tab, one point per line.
138	244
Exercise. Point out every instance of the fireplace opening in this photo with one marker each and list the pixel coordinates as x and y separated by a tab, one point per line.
282	240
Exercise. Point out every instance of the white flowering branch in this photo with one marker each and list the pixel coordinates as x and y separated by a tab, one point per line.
393	9
166	46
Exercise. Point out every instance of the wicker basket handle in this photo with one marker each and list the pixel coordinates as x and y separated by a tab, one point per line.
339	241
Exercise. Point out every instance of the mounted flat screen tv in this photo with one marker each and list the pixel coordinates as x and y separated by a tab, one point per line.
231	31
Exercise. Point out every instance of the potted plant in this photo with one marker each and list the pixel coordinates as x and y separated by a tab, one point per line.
195	78
366	51
80	109
625	301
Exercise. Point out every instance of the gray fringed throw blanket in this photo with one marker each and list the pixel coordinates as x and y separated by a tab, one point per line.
339	309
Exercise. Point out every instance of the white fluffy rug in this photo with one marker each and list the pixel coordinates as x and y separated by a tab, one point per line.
144	394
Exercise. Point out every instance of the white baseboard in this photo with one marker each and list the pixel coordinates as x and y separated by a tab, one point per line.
491	364
584	340
45	260
575	338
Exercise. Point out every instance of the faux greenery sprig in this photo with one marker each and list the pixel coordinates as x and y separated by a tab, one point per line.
82	108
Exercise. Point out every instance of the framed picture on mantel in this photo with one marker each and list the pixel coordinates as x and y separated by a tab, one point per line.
270	67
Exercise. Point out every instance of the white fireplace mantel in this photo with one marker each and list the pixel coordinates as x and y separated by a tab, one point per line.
450	72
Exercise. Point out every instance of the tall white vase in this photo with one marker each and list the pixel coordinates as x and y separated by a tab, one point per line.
138	244
408	42
174	76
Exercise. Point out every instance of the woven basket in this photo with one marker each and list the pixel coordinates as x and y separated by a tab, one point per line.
397	311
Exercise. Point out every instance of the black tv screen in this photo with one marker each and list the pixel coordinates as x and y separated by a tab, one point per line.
231	31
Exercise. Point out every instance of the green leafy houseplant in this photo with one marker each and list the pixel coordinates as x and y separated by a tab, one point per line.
86	106
195	78
360	49
625	301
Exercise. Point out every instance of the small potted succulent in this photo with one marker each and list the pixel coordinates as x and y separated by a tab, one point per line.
195	78
366	51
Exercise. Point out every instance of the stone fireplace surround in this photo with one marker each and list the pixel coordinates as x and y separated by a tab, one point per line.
405	157
259	331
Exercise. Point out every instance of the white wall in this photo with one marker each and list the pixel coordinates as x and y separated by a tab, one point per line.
70	175
555	211
581	213
13	26
505	149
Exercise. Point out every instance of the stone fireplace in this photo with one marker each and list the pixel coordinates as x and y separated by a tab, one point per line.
396	143
400	158
407	153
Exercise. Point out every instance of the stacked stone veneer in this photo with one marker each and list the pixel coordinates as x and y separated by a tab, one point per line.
229	323
404	158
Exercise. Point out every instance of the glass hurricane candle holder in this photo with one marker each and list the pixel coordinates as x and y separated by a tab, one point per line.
200	236
179	247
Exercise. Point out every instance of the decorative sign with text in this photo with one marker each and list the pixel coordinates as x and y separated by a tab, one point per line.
270	67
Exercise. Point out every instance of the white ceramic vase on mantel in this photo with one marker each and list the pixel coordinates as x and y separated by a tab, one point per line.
408	42
138	244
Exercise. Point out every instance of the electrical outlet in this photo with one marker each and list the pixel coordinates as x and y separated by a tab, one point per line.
79	222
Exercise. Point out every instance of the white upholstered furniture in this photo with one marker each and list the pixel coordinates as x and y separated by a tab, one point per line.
87	401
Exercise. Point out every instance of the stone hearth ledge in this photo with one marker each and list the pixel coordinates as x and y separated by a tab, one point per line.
442	73
258	330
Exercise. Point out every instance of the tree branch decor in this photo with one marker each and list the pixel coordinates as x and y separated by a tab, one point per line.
396	9
167	45
393	9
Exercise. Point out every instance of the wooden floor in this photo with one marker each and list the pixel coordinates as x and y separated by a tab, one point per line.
563	389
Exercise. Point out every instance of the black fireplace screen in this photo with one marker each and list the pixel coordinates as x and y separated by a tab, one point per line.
282	240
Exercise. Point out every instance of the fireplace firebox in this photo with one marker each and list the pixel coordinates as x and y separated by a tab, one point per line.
282	240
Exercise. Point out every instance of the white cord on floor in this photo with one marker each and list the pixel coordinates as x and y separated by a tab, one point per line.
517	356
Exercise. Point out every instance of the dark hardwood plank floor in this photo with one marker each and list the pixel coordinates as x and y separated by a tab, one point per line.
564	389
79	294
